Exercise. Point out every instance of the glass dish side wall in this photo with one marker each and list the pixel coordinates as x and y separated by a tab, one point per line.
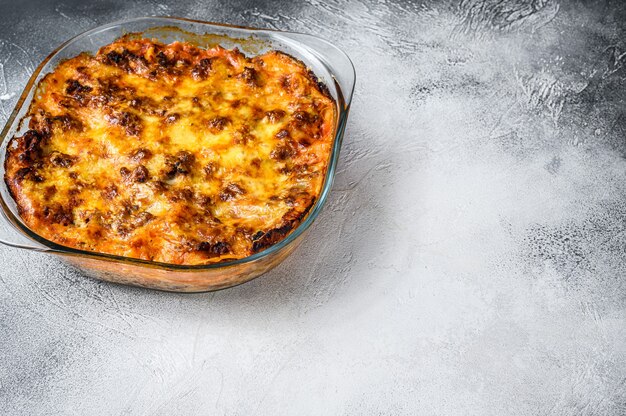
176	280
330	65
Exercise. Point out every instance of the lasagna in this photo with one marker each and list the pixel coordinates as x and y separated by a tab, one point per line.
172	152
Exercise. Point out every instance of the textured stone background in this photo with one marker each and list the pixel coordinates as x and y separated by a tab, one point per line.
470	261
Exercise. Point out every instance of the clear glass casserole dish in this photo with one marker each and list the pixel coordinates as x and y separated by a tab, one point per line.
331	65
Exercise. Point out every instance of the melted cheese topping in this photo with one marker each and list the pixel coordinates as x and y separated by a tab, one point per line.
172	153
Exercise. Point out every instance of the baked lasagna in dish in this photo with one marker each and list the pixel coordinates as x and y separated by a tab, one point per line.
171	152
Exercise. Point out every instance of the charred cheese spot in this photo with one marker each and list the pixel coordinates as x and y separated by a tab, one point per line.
171	152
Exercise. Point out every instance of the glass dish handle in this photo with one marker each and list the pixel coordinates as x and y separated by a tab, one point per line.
12	237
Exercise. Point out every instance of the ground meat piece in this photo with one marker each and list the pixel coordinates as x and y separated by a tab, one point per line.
282	153
109	192
127	61
270	238
250	76
185	161
275	115
185	194
140	174
49	192
217	124
29	145
141	154
231	191
181	163
172	118
129	121
75	87
61	159
77	92
58	214
216	249
141	219
115	58
67	122
163	60
22	174
304	118
282	134
201	70
210	169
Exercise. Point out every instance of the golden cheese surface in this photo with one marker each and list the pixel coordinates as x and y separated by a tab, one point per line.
171	152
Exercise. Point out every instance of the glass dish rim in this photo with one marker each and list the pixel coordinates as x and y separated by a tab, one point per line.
343	107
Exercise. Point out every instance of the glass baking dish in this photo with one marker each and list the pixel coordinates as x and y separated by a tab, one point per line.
331	65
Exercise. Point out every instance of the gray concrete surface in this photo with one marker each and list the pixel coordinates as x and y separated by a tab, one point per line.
470	261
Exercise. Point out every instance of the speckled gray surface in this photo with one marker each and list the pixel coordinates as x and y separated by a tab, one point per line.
471	259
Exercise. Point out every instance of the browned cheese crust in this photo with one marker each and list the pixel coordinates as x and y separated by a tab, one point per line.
172	153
